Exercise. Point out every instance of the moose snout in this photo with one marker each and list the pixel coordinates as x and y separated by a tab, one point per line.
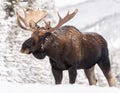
25	51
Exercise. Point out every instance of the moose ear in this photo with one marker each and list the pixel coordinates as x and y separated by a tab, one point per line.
47	34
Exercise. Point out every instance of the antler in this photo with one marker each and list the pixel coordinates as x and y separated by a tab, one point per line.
31	19
64	20
47	25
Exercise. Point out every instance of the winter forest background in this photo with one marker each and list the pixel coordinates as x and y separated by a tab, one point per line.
101	16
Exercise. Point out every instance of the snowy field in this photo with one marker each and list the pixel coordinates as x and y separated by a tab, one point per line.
26	74
37	88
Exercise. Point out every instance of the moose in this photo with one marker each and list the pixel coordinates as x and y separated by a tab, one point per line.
67	47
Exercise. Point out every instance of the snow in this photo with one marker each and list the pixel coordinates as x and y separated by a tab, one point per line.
91	11
101	16
38	88
62	3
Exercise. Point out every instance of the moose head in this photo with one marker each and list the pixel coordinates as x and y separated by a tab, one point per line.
29	23
39	34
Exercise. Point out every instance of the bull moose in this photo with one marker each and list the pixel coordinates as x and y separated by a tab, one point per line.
67	47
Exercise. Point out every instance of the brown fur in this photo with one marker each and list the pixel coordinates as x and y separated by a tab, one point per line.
69	49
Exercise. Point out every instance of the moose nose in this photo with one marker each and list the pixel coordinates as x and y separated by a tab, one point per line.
26	51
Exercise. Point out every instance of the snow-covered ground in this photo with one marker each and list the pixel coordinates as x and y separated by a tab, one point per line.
62	3
91	11
101	16
37	88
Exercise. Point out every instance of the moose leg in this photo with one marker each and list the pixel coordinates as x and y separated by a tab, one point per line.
57	75
106	68
91	76
72	74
